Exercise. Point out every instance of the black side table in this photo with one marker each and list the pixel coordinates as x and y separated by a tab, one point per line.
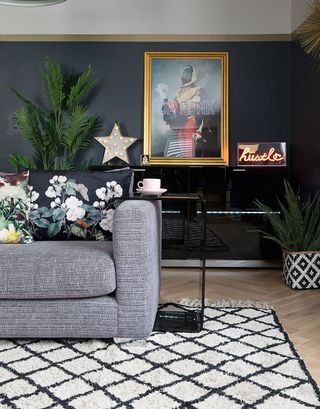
170	316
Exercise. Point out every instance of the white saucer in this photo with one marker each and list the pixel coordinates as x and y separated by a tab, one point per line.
151	192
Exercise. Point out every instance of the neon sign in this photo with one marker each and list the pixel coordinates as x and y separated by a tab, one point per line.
262	154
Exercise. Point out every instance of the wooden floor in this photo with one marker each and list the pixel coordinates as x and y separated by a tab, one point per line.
298	311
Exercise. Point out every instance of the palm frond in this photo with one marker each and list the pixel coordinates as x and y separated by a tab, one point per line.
274	219
298	229
53	131
53	83
28	123
69	81
21	161
78	133
86	164
81	89
61	133
27	101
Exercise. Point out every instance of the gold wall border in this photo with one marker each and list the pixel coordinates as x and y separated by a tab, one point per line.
145	38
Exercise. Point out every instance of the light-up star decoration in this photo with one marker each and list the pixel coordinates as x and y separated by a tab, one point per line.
116	145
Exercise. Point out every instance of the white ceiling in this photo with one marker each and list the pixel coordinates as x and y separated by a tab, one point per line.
299	12
208	17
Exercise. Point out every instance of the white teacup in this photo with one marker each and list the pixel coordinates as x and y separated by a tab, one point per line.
153	185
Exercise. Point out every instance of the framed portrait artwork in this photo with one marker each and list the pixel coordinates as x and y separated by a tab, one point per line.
186	108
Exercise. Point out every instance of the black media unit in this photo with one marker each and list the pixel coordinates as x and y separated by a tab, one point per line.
232	217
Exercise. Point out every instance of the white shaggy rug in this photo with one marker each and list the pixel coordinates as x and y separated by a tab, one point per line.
242	359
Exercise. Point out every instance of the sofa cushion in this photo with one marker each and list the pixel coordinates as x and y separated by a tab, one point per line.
14	208
74	204
57	269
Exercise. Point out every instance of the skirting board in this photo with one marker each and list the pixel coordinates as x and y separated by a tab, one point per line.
223	263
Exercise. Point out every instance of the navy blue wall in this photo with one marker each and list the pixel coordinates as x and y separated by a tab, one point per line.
305	120
259	84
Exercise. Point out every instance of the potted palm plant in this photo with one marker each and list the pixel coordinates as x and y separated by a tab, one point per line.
297	232
61	127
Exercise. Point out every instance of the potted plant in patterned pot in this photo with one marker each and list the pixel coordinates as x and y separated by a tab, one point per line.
297	231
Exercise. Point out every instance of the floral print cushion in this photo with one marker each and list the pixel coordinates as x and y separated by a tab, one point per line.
75	205
14	209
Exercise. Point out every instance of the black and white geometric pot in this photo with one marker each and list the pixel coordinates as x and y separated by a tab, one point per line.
301	270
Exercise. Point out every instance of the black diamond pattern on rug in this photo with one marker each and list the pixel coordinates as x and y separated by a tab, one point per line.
242	359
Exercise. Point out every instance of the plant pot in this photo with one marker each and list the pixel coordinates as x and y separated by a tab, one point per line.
301	270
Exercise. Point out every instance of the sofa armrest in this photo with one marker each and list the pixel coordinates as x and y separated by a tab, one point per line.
137	253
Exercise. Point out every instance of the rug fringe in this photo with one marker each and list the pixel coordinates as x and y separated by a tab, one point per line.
193	302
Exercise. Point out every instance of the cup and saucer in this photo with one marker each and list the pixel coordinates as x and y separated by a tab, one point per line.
150	187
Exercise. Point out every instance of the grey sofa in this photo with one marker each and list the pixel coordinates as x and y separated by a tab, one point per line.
85	289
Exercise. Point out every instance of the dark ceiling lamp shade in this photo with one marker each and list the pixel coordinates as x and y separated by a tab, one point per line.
30	3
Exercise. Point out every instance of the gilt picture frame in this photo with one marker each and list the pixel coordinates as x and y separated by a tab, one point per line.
186	108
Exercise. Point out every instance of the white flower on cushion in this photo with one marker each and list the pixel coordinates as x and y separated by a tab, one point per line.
74	209
57	200
76	213
114	189
34	196
118	191
30	188
72	202
107	222
34	206
95	204
101	193
10	235
55	178
62	179
13	192
102	204
51	192
53	205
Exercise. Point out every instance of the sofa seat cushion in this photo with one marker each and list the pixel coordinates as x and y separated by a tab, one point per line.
57	269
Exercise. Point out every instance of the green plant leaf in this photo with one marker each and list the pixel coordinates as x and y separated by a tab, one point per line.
77	134
58	214
77	231
44	223
2	222
86	164
34	215
54	229
53	83
70	188
94	215
298	228
47	212
21	161
99	235
60	133
80	90
88	207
